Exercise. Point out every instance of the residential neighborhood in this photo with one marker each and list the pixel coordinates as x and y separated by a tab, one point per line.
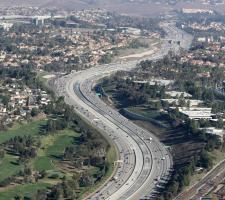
19	102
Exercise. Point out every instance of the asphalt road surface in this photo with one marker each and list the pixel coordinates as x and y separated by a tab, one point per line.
144	164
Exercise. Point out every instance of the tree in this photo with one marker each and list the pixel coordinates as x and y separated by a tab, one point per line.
2	154
41	194
56	193
34	112
18	197
5	99
219	123
86	180
158	105
51	125
193	126
27	171
43	173
205	160
188	103
107	58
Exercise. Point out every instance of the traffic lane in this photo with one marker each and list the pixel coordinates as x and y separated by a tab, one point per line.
104	120
139	155
157	55
102	106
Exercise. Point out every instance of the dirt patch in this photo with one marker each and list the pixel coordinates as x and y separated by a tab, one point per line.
139	55
2	189
66	166
39	117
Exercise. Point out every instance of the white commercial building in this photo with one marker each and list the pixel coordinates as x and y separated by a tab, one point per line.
178	94
161	82
193	102
195	11
6	26
215	131
196	113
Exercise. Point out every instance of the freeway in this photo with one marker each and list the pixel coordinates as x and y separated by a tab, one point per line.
144	164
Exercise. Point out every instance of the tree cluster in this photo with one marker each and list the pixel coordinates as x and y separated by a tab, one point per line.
25	147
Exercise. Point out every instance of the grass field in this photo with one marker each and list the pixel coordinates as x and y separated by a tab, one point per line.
47	159
31	128
27	190
52	147
65	139
7	166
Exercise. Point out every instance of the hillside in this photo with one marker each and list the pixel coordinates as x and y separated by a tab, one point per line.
130	7
134	7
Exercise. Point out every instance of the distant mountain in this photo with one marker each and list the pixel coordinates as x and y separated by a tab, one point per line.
122	6
131	7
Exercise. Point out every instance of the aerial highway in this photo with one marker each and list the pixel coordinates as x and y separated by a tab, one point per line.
144	164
